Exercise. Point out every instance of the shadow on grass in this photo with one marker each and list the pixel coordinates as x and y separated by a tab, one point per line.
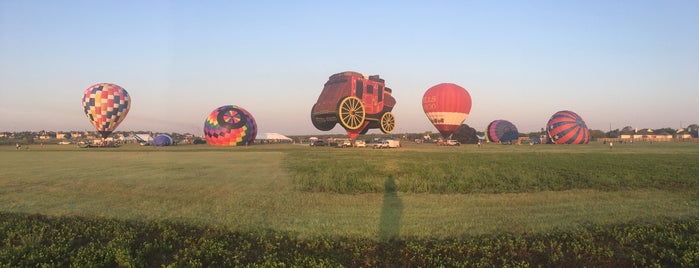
389	225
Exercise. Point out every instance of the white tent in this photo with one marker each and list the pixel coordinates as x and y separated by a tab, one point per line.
273	137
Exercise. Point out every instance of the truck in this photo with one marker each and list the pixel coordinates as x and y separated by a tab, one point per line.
385	144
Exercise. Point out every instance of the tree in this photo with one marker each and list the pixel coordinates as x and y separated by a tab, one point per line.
596	134
666	130
693	130
614	133
414	136
68	136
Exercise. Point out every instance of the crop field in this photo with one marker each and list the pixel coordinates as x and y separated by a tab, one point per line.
413	193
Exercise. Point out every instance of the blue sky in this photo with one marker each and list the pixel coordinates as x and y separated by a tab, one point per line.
615	63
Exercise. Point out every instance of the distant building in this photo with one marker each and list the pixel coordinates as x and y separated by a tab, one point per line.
627	135
683	134
646	134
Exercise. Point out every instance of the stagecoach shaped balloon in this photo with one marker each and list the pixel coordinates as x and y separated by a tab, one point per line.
357	102
162	140
501	131
566	127
106	105
230	125
446	105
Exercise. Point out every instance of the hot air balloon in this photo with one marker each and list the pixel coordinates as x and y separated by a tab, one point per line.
230	125
465	135
566	127
106	105
447	106
357	102
501	131
162	140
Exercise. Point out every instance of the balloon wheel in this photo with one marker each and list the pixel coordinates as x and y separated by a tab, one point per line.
388	123
351	113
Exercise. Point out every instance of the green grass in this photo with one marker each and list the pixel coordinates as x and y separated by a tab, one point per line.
498	169
442	192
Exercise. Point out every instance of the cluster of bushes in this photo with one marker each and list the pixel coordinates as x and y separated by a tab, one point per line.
35	240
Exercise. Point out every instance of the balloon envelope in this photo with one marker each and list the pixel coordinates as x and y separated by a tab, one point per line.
465	135
106	105
566	127
230	125
446	106
162	140
501	131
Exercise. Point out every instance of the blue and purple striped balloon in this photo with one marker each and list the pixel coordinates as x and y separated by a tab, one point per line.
501	131
162	140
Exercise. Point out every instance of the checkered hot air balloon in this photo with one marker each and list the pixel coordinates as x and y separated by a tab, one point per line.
230	125
501	131
566	127
106	105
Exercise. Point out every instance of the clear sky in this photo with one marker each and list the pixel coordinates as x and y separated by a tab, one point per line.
615	63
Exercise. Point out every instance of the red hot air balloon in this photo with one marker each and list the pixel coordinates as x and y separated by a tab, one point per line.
446	105
566	127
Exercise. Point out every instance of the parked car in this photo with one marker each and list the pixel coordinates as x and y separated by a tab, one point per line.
346	144
360	144
452	143
448	143
318	143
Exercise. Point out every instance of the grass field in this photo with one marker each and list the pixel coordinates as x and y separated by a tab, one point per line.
418	191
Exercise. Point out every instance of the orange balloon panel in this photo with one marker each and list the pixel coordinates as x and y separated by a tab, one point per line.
447	106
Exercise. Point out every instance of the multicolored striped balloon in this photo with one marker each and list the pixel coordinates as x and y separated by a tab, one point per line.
566	127
501	131
106	105
230	125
